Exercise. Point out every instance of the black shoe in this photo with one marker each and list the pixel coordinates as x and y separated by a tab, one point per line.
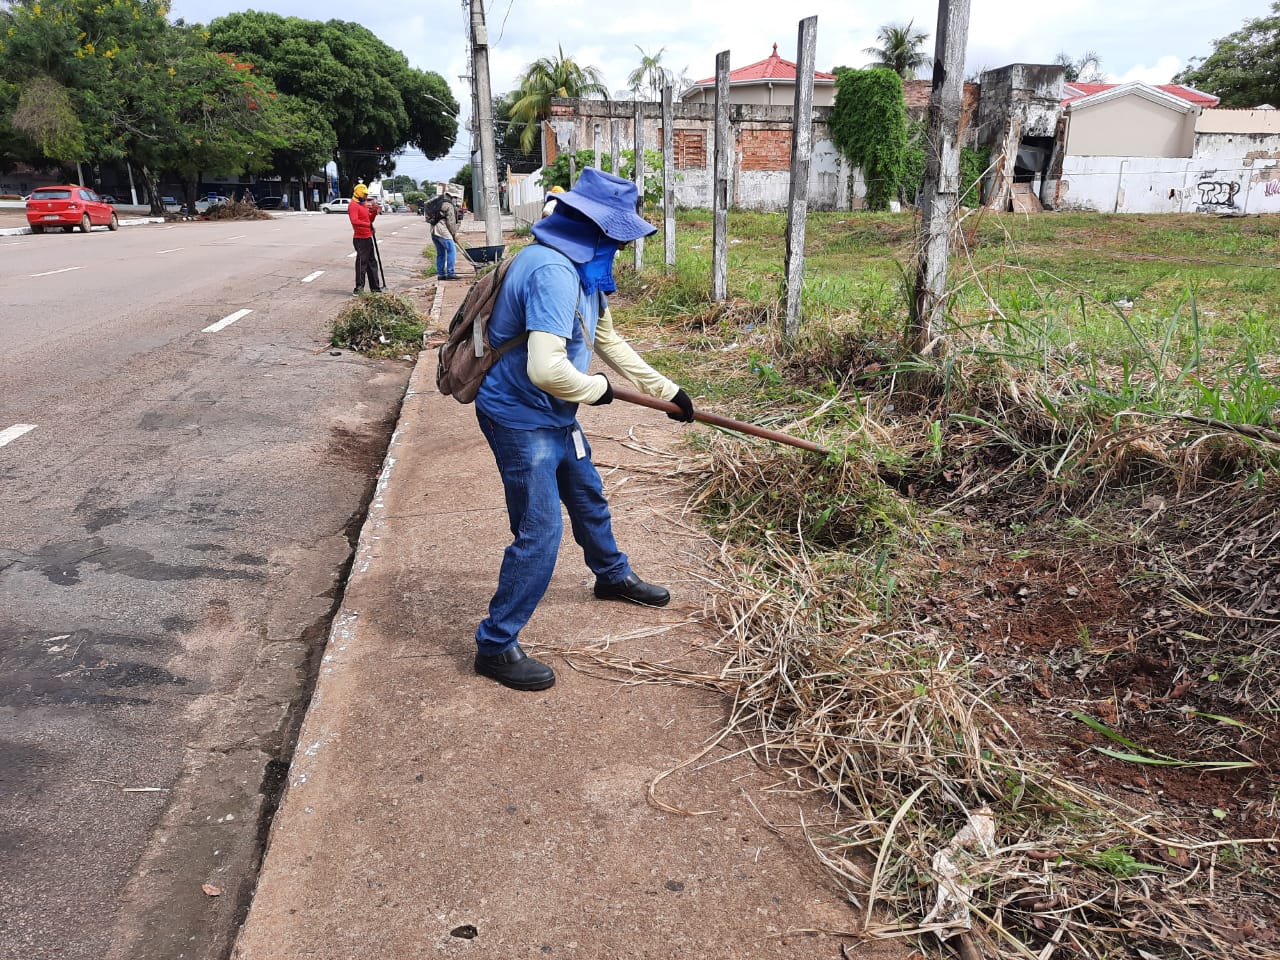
515	669
375	289
453	276
633	590
357	291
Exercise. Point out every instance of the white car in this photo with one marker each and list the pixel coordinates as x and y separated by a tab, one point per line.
204	203
336	206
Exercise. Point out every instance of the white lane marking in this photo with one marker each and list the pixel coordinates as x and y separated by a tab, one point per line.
238	236
350	255
312	276
170	250
14	432
14	243
50	273
226	321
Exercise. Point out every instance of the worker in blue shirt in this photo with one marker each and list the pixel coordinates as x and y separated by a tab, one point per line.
527	408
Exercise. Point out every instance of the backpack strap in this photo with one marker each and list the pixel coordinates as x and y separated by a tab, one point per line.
479	333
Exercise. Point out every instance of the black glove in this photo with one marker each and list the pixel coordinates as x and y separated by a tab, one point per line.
607	396
681	400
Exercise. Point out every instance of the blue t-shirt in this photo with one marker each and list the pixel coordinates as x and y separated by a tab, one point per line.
541	291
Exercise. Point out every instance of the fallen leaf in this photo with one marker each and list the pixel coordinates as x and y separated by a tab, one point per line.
211	890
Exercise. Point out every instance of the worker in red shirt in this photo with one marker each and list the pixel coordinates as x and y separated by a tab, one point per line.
362	212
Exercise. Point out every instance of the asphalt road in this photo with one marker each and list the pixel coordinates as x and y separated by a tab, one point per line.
184	467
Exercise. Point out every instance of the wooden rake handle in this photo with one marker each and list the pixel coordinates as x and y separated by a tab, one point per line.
715	420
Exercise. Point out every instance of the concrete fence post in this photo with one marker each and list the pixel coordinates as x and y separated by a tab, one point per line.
720	184
668	181
801	154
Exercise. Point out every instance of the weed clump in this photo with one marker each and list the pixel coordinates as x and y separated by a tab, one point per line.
236	210
379	325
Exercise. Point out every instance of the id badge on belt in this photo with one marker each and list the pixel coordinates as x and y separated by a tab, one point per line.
579	444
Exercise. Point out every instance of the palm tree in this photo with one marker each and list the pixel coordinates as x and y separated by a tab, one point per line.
899	50
651	74
545	79
1088	69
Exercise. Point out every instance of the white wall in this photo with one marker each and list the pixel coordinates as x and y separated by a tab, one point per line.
1130	126
1169	185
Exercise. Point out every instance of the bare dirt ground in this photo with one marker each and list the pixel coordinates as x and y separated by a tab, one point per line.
1067	628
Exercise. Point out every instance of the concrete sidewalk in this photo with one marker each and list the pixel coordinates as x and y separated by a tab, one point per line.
430	811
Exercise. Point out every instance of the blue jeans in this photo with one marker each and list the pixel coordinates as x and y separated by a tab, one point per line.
540	470
446	251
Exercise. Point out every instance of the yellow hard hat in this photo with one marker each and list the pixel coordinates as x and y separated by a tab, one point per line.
360	191
557	189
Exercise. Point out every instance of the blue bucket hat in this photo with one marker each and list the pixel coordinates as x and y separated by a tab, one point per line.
610	203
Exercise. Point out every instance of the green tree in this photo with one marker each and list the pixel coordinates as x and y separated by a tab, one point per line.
227	117
869	126
367	93
309	141
1087	68
899	50
91	80
46	115
651	76
399	184
548	78
1244	68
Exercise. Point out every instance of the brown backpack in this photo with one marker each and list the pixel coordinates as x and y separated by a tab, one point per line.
467	355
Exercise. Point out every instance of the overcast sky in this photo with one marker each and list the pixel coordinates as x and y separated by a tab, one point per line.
1137	40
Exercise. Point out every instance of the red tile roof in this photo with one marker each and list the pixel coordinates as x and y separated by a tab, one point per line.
772	67
1173	89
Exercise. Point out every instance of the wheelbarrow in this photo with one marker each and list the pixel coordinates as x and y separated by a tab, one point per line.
484	258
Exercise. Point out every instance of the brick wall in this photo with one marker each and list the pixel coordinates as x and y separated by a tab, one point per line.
765	149
689	148
916	93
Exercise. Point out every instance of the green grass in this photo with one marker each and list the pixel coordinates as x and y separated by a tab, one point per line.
1174	312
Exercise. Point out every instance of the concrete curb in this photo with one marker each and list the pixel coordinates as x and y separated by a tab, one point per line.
131	222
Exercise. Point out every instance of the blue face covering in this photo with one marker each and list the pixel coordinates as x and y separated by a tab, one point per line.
588	249
597	273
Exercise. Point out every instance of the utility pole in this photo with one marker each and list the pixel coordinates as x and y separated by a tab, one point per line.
941	195
483	98
615	146
801	153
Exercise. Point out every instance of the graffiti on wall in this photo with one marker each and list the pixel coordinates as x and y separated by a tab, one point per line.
1218	193
1271	188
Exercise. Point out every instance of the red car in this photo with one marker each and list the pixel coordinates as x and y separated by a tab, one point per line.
68	207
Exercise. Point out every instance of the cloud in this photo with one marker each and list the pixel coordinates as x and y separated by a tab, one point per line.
1163	71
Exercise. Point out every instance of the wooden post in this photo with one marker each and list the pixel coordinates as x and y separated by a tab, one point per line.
597	145
484	123
668	181
720	185
801	153
573	160
940	199
638	174
615	147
